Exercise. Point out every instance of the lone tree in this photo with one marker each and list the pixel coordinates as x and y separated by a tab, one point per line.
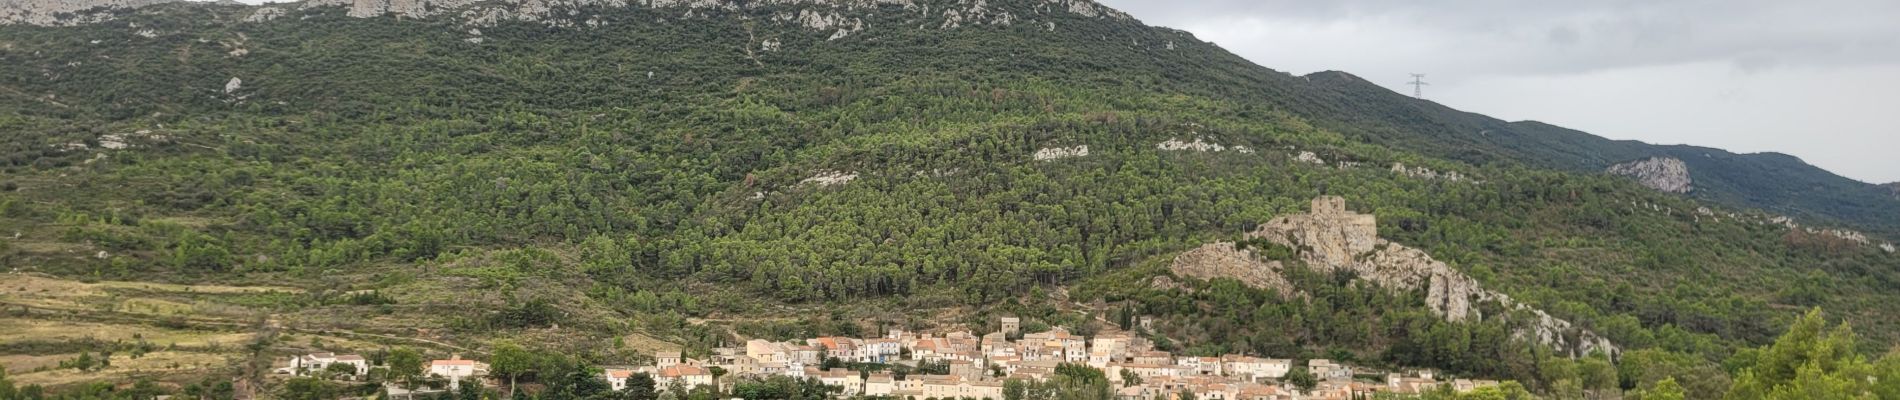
404	366
511	361
1302	379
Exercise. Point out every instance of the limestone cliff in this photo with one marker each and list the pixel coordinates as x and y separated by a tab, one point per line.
1225	260
1332	238
839	18
64	12
1661	173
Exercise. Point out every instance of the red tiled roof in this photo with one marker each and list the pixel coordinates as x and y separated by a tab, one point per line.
682	370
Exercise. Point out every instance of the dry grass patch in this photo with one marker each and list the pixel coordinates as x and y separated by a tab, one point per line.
16	329
124	368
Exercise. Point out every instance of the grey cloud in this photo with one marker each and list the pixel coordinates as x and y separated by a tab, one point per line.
1802	77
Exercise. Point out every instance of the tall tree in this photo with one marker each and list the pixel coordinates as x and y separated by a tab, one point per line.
405	365
511	360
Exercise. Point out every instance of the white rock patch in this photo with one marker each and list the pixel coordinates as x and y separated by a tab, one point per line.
232	86
1197	145
1664	174
265	14
1053	153
1309	157
829	178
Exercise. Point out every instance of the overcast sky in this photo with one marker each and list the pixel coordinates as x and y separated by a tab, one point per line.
1816	79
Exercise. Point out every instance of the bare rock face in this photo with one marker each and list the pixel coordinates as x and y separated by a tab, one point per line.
1335	236
63	12
1895	187
1224	260
1661	173
1332	238
832	16
1056	153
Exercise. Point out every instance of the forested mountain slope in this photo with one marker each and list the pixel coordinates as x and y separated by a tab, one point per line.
638	165
1769	181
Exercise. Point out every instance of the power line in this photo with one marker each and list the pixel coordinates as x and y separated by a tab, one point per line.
1418	85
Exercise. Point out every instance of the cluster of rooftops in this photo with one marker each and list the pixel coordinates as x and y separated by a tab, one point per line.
978	366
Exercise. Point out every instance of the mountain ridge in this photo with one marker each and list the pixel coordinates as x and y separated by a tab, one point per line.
1755	180
653	167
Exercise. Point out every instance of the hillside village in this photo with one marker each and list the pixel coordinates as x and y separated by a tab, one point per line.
964	365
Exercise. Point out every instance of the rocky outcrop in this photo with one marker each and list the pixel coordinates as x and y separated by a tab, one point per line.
1226	260
1057	153
834	17
1661	173
1895	188
829	178
1197	145
64	12
1420	172
1332	238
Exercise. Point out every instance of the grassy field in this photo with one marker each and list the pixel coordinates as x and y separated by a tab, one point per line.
185	333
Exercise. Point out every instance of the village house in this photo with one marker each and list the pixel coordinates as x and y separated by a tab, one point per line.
456	369
769	368
883	350
808	355
836	347
690	376
1205	366
1255	368
1151	357
765	351
843	378
880	384
666	359
313	362
617	378
927	349
1327	369
1419	383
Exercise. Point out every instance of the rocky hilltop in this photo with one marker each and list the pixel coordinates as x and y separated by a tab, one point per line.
1227	260
1332	238
1895	187
1665	174
65	12
841	17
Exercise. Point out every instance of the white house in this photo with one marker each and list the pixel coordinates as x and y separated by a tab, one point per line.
617	378
456	369
313	362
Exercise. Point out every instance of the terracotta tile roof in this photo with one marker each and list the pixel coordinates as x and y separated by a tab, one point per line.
682	370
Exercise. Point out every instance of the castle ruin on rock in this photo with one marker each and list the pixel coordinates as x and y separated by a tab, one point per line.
1332	238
